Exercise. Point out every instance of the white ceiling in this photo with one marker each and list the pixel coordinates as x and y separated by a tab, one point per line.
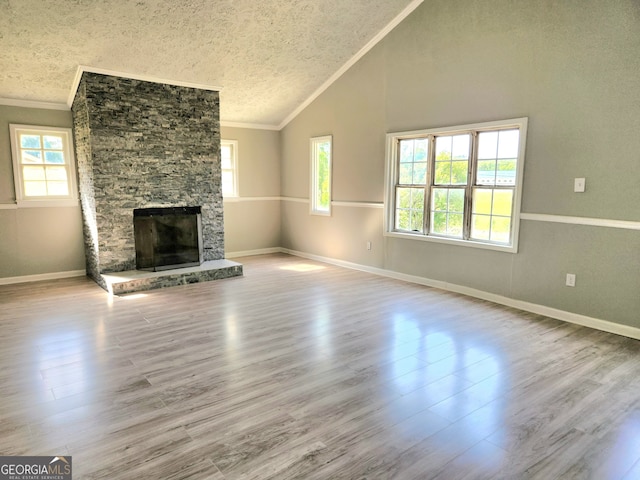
269	56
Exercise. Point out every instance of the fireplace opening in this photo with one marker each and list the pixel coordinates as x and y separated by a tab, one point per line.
167	238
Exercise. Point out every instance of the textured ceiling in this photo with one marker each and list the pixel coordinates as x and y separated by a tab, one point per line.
268	56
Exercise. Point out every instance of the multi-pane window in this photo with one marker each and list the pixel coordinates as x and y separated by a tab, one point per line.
321	175
43	163
229	164
457	184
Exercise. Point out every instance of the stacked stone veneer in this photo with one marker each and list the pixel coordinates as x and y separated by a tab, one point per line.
142	144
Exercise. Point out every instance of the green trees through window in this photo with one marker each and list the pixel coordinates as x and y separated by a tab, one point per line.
321	175
458	183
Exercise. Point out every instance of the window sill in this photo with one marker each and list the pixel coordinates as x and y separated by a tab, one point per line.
453	241
320	213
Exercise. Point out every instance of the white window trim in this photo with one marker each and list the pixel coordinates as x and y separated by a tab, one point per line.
391	174
313	207
234	167
49	201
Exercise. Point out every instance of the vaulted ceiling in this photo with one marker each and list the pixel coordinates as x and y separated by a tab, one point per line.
268	56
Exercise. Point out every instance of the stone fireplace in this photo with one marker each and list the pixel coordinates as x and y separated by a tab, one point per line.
145	145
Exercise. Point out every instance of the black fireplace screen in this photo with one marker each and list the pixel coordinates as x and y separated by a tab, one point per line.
167	237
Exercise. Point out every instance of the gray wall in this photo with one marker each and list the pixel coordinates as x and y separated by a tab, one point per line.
252	221
35	241
571	67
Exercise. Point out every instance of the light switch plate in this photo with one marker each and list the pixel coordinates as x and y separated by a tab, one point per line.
579	185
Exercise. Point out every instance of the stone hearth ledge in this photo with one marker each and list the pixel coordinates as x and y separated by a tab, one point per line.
119	283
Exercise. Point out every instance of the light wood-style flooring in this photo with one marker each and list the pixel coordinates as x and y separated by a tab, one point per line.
305	370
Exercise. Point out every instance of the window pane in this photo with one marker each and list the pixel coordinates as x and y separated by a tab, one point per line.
439	199
225	156
421	150
323	199
227	182
500	229
417	220
502	200
443	148
491	218
461	147
56	173
52	142
452	163
419	173
403	220
33	173
410	209
58	188
456	200
406	174
486	172
439	222
482	201
54	157
406	151
459	172
31	156
413	161
508	143
454	224
447	215
30	141
480	227
487	145
417	198
35	189
403	199
443	173
506	174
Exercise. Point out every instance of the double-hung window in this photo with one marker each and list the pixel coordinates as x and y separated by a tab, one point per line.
43	165
459	185
321	175
229	164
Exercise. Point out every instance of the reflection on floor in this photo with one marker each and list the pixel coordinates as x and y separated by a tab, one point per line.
305	370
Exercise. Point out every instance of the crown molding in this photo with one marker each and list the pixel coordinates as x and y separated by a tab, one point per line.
133	76
361	53
15	102
254	126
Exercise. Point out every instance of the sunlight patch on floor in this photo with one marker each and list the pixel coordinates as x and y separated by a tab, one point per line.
303	267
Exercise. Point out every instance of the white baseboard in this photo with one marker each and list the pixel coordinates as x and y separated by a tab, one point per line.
42	276
596	323
248	253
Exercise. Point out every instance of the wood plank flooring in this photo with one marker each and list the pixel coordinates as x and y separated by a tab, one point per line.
305	370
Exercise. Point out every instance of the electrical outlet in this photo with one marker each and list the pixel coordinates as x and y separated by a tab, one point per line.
579	185
571	280
368	245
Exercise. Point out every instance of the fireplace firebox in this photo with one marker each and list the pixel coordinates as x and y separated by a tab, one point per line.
167	238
